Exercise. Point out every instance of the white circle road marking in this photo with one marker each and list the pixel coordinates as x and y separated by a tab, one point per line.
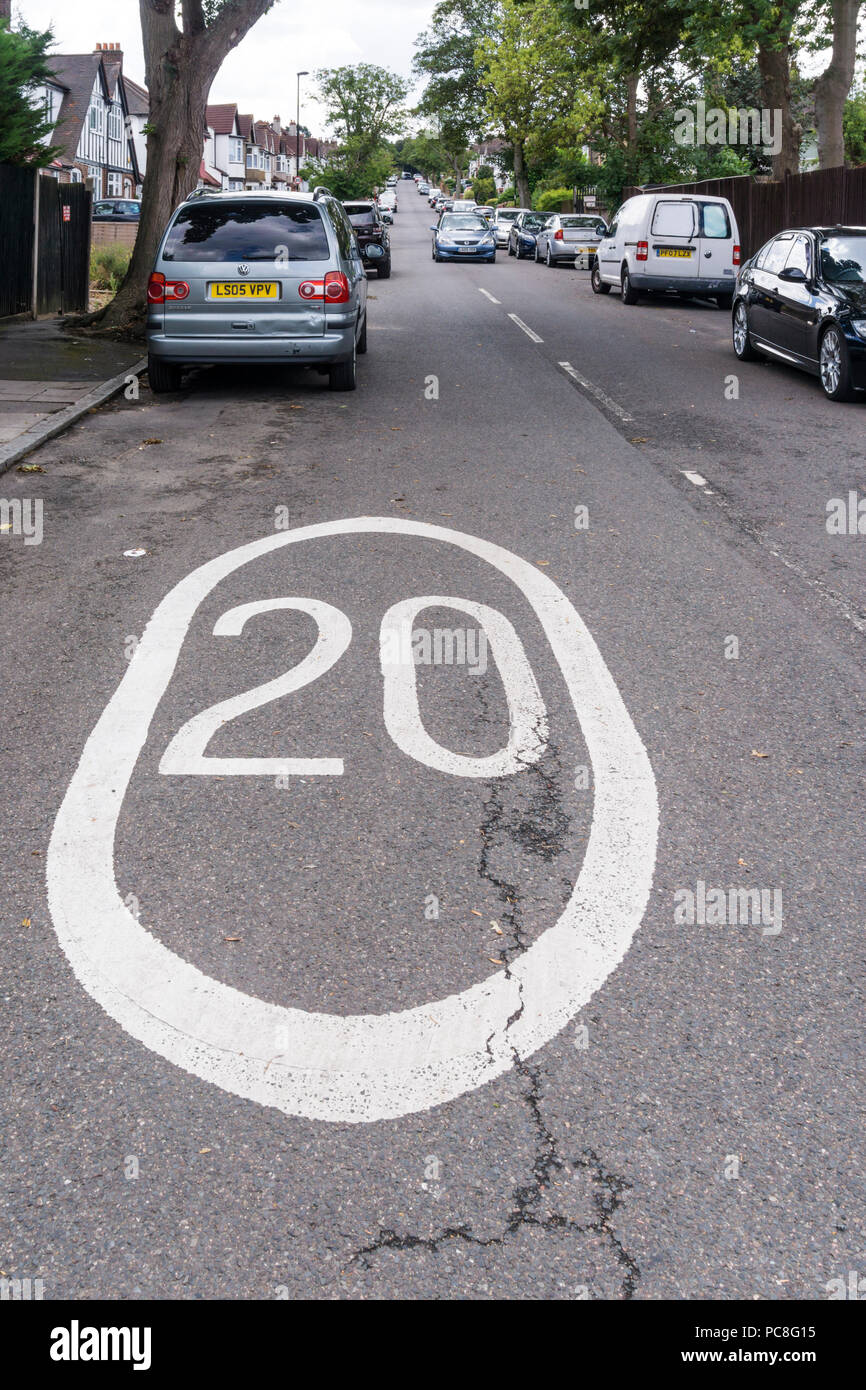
362	1067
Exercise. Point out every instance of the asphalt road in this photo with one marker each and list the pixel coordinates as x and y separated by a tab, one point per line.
458	1097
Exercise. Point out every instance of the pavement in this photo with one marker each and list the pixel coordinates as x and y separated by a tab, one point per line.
49	378
302	1041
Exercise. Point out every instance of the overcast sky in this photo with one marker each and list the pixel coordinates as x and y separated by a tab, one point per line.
260	74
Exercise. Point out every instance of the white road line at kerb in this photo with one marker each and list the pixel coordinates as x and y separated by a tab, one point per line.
597	392
527	330
488	295
697	478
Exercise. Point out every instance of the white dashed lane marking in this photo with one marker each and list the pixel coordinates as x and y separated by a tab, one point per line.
488	295
697	478
526	329
596	391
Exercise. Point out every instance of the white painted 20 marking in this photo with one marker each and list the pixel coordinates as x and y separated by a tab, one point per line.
361	1067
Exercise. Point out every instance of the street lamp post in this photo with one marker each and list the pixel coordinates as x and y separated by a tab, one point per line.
298	129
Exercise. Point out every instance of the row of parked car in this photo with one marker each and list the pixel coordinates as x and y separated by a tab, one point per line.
800	299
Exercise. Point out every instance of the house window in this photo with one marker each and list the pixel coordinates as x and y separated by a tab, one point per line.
115	124
236	185
236	150
94	174
114	187
75	176
95	118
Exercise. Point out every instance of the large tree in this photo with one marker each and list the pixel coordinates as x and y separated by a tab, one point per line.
833	86
185	44
364	102
24	67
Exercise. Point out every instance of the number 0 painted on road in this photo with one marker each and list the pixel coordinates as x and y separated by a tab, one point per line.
367	1066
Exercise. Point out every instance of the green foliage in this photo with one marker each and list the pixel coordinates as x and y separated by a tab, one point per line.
854	126
364	102
24	67
552	199
353	170
108	265
484	191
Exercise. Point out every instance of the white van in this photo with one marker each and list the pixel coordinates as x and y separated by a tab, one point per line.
685	243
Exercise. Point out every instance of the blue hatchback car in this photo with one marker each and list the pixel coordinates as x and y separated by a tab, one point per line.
463	236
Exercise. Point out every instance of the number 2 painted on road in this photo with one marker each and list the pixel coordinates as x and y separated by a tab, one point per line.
527	739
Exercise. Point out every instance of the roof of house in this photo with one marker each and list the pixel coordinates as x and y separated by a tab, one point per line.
76	73
137	99
245	125
208	178
221	118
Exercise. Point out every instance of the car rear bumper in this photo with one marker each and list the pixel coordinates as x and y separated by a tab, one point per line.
685	284
336	345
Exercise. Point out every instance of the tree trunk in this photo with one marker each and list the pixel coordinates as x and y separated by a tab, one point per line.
631	116
179	68
834	84
775	69
521	182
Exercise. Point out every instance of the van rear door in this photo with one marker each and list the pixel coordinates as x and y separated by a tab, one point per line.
718	237
674	240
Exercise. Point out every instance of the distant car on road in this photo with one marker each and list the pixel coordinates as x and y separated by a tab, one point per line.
484	212
370	231
802	299
570	236
502	220
522	232
388	199
424	188
464	205
462	236
116	210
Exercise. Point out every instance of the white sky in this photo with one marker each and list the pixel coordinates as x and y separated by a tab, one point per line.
260	74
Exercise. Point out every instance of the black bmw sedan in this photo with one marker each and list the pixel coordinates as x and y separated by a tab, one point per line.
802	299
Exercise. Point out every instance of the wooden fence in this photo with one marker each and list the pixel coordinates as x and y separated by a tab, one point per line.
825	197
44	243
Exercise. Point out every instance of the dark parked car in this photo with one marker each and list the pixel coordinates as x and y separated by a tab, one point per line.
370	230
802	299
116	210
521	234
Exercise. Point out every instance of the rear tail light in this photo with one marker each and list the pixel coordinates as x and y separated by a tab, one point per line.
642	251
156	288
736	255
336	287
559	235
160	290
311	289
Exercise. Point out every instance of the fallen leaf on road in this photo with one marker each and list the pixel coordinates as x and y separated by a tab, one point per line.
205	1151
30	468
151	441
474	912
232	938
756	754
494	961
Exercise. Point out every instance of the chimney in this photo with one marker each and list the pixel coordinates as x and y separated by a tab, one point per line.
276	123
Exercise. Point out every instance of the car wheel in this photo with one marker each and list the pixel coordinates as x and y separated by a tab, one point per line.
598	285
834	366
362	338
163	376
343	376
629	293
551	263
510	249
742	342
383	271
536	257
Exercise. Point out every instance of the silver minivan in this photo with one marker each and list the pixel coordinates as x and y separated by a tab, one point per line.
262	277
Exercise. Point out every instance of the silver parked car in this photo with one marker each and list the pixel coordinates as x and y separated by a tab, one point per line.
570	236
502	220
257	278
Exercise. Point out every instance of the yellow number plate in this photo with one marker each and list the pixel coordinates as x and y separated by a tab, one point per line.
586	250
244	289
676	252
